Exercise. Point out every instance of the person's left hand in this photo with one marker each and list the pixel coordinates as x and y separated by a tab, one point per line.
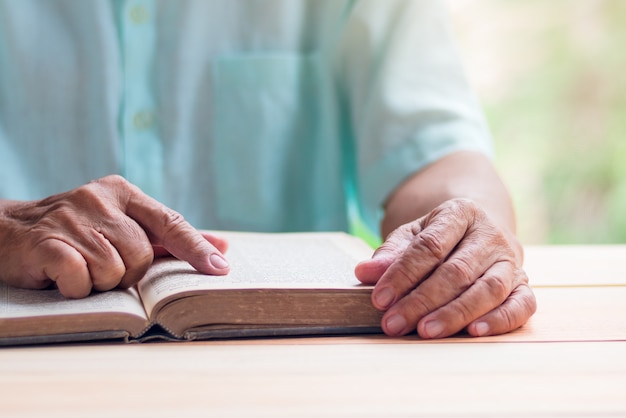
450	270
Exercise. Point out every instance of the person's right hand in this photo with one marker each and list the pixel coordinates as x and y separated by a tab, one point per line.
98	236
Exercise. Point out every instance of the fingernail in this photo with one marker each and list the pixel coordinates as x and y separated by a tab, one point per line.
218	262
384	297
482	328
434	328
395	324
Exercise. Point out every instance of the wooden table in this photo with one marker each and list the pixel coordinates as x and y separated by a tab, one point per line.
569	361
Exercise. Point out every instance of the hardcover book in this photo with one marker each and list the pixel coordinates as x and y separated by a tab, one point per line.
280	284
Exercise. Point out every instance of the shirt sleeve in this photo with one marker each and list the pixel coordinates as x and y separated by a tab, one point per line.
408	101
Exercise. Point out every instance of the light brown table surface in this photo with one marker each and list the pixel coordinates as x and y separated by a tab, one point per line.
569	361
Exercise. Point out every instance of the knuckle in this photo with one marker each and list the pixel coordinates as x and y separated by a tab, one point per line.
135	237
464	312
85	193
507	317
86	199
405	274
432	242
170	219
105	266
143	254
527	300
498	286
98	244
112	180
116	188
133	275
173	225
140	257
465	205
521	307
459	270
463	208
54	253
420	304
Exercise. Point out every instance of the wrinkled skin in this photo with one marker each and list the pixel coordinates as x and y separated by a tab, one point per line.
100	236
450	260
449	270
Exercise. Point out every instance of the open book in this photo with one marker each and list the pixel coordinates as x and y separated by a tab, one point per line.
279	284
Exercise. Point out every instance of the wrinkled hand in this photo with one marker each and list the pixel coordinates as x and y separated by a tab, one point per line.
449	270
98	236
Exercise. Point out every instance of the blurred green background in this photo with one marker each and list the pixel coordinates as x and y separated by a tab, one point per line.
551	75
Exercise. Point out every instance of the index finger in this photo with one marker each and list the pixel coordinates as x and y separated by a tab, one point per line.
168	229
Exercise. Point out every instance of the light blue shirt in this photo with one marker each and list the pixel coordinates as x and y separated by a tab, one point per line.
242	114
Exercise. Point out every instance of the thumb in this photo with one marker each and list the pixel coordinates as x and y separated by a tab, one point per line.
370	271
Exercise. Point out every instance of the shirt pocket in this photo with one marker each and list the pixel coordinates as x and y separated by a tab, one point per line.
266	118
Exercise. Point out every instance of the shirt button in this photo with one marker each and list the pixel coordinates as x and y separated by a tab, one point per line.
138	14
143	120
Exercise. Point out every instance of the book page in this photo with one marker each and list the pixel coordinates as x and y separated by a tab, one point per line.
264	260
21	303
